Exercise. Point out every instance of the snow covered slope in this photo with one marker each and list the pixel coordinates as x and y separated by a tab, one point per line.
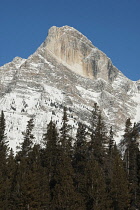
66	70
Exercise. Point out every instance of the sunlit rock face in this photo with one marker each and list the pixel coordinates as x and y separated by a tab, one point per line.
66	70
76	52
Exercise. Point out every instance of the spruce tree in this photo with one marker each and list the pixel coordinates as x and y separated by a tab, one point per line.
133	168
119	187
111	142
65	138
3	140
130	144
3	164
96	193
99	139
65	196
28	137
80	160
23	167
50	156
11	181
138	176
109	159
35	185
80	145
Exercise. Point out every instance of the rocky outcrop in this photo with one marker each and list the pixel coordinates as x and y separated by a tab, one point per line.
76	52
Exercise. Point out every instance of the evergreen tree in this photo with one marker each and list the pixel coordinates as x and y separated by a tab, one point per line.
96	194
111	142
35	185
50	156
80	145
138	176
125	143
119	191
11	181
23	167
3	141
28	137
109	159
65	196
133	168
99	139
65	139
3	164
130	158
80	160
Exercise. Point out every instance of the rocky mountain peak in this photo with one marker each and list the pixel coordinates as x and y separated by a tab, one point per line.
76	52
66	70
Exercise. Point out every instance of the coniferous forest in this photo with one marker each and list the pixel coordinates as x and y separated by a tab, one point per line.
89	172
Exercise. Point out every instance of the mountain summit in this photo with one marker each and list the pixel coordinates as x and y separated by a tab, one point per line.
66	70
77	53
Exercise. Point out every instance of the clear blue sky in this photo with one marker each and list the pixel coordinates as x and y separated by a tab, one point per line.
112	25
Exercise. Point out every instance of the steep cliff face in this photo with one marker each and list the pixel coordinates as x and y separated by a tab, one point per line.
76	52
65	70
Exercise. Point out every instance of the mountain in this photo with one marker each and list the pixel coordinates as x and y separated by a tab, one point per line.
66	70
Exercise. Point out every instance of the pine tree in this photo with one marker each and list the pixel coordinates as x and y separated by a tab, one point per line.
133	168
109	159
130	158
65	139
96	194
99	139
138	176
119	191
65	196
3	164
50	156
28	137
23	167
35	185
80	145
3	141
111	142
11	181
80	160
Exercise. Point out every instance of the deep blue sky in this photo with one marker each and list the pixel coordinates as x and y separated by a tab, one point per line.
112	26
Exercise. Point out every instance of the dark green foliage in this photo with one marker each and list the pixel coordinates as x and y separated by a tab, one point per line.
65	196
2	127
130	144
111	142
80	145
65	138
49	158
87	173
99	138
80	160
26	146
119	191
3	140
96	194
4	184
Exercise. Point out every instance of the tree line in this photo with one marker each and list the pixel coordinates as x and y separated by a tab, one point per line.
89	172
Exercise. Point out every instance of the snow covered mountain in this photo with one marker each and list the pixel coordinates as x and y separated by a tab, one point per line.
67	69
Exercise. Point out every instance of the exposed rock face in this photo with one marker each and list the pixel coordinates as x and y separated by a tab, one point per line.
76	52
65	70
